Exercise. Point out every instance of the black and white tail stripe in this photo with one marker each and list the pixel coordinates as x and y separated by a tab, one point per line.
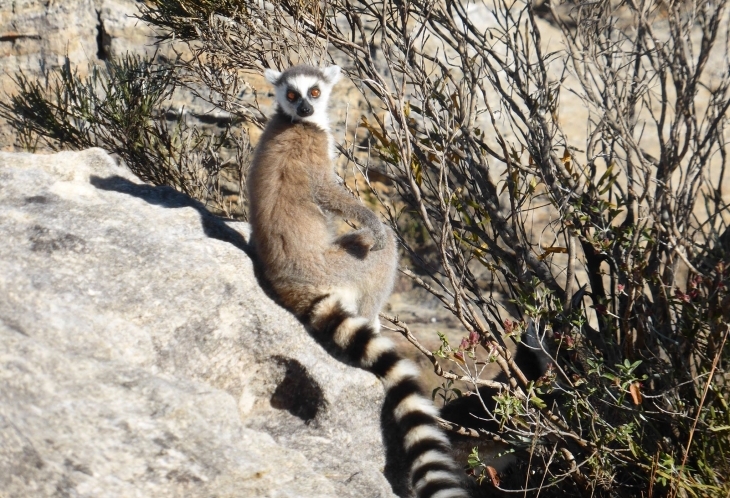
434	474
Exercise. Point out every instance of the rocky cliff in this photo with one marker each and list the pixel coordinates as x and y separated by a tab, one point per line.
37	35
139	355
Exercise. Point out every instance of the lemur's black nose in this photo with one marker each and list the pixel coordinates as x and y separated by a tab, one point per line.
305	109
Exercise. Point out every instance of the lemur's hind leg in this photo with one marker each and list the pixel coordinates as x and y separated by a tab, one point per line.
378	278
375	270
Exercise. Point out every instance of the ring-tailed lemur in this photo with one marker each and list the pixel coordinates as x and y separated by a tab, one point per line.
337	285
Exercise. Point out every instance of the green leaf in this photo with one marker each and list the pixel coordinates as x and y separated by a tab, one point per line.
473	460
538	402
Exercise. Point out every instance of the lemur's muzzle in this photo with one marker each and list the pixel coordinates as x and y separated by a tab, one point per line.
305	109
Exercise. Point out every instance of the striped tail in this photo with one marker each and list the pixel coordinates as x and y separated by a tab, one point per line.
434	474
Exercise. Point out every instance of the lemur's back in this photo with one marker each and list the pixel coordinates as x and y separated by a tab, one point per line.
287	224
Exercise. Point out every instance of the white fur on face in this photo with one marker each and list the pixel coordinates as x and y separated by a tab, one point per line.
302	84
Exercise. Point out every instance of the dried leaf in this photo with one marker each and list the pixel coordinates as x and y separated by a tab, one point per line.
566	160
375	132
493	475
552	250
459	357
417	171
455	100
635	390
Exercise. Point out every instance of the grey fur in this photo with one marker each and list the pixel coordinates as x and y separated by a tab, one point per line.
301	70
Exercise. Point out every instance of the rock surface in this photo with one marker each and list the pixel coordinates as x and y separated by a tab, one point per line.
139	355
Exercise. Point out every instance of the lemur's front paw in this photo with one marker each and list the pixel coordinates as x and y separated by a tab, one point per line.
358	242
379	235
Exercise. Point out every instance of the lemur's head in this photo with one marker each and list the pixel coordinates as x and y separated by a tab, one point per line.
302	92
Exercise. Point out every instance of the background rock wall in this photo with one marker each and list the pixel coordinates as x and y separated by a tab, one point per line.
36	35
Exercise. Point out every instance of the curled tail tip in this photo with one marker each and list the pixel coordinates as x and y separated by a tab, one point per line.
531	355
434	473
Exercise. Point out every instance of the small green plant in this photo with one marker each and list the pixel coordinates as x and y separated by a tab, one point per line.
446	392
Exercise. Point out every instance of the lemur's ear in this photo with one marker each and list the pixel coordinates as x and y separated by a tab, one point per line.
272	76
332	74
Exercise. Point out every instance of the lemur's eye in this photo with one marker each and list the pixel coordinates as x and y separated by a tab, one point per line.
315	92
291	95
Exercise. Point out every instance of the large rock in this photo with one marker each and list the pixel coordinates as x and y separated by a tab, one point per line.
139	355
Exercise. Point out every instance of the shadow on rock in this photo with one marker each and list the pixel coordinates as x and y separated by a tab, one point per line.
213	226
164	196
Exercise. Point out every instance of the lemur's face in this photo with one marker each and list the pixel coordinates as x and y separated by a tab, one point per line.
303	92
